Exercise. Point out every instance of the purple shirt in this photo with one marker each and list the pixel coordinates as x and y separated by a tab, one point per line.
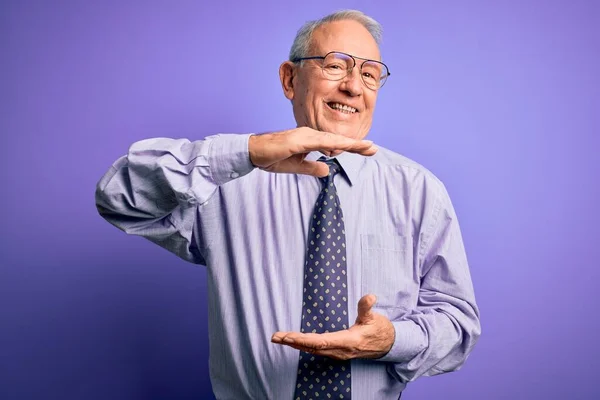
205	202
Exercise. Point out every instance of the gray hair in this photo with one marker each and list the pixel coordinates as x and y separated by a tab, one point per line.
302	42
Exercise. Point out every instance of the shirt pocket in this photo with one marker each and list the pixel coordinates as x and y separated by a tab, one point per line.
387	268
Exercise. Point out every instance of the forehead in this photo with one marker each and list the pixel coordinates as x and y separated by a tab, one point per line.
346	36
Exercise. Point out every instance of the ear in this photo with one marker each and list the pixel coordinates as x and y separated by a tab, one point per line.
287	72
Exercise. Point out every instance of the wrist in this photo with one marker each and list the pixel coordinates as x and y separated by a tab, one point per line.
252	145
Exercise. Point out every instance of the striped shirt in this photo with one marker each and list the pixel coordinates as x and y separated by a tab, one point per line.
205	202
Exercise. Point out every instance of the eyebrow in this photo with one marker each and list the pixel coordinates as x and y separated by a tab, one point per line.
357	57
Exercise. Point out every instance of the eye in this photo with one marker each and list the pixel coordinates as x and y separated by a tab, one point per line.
334	66
371	71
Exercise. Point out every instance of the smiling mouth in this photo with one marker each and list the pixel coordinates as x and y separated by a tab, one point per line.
342	108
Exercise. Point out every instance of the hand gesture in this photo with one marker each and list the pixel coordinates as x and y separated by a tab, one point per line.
286	151
372	336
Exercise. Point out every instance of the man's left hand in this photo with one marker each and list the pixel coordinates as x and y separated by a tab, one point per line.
371	336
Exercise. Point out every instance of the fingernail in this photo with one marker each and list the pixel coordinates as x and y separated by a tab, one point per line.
368	141
288	340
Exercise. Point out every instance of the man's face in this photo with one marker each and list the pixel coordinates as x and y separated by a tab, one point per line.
314	97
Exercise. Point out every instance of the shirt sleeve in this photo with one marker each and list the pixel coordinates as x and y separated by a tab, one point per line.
438	335
159	188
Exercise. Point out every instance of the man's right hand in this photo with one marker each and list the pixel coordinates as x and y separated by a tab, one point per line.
286	151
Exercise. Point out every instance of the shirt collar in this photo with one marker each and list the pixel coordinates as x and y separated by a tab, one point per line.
351	163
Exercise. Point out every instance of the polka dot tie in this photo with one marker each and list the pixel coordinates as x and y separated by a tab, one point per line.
325	298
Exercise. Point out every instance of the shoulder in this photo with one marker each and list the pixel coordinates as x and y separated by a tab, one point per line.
402	167
418	186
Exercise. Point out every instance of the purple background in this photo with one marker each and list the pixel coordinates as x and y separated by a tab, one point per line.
501	101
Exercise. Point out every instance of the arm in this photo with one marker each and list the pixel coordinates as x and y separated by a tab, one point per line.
159	187
435	337
440	333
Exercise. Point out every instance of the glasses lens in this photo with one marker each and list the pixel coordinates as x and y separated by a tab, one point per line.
337	65
374	74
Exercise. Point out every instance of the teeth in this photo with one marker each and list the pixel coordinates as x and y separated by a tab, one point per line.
343	108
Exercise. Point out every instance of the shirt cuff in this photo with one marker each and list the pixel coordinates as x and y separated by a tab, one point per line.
228	157
410	340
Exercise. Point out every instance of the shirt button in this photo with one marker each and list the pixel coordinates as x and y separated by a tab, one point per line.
234	175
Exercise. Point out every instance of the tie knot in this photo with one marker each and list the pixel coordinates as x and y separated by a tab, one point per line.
334	168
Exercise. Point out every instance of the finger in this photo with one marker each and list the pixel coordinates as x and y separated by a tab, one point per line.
342	349
364	308
339	354
309	350
325	141
369	152
278	337
345	353
312	350
320	341
313	168
363	149
289	338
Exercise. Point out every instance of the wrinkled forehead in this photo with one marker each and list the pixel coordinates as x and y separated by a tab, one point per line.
349	37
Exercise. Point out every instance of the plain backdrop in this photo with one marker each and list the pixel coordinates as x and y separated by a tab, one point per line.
500	99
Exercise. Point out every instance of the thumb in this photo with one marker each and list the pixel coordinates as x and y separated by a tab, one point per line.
364	308
314	168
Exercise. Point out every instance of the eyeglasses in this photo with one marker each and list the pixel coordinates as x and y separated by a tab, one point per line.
336	66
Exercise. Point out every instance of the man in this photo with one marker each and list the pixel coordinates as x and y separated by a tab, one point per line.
297	248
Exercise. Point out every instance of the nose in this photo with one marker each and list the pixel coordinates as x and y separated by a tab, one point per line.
352	83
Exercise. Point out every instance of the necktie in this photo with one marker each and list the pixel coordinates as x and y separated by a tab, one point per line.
325	298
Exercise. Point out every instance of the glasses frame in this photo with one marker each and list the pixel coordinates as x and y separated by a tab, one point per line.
349	71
